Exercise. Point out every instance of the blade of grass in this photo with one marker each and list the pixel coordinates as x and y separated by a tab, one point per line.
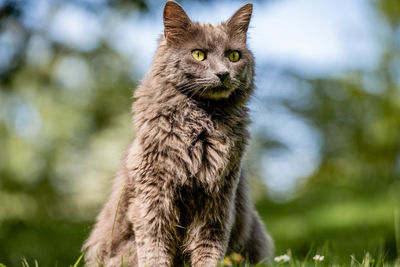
366	260
116	211
25	262
78	261
397	231
308	255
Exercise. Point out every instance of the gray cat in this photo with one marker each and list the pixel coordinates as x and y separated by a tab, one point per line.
181	195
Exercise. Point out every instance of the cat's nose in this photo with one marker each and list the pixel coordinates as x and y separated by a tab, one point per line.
222	75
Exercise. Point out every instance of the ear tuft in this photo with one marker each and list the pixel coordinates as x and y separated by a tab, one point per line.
239	23
176	22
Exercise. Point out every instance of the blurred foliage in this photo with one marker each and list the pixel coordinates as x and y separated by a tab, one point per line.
391	10
348	204
54	133
65	122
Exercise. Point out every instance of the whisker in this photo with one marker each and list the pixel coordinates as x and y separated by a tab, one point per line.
190	89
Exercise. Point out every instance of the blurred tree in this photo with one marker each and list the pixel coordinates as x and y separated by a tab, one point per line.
52	125
349	200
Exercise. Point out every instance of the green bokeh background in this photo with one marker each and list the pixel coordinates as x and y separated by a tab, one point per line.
60	145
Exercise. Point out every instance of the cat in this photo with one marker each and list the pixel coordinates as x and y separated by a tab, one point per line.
181	194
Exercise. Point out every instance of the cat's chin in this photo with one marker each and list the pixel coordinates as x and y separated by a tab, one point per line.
216	93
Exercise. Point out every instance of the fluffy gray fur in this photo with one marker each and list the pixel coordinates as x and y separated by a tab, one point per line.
181	194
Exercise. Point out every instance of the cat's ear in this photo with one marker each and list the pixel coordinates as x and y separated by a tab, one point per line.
238	24
176	22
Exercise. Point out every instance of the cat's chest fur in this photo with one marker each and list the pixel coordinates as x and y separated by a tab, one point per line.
194	146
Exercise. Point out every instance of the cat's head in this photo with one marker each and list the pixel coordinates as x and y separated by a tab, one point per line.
204	60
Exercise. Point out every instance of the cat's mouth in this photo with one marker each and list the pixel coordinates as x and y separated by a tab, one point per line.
219	89
216	93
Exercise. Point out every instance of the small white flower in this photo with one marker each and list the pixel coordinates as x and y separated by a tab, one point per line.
318	258
282	258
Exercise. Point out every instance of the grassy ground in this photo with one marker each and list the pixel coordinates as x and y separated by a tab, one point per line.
314	260
285	260
338	222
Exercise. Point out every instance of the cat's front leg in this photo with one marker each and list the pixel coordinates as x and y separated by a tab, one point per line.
208	236
154	222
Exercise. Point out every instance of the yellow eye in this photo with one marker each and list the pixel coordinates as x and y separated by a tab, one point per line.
234	56
198	55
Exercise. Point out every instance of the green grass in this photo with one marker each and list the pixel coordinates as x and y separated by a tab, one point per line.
237	260
329	260
25	263
340	220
